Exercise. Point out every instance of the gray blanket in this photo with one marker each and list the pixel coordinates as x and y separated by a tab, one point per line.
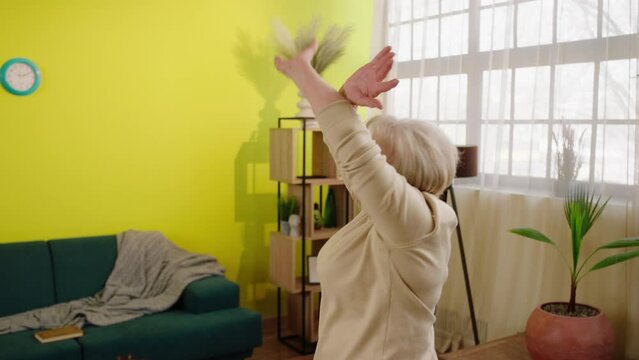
149	276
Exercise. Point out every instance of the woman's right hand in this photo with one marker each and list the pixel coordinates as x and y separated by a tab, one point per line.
367	83
295	67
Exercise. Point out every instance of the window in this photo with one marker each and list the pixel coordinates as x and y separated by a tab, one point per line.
507	74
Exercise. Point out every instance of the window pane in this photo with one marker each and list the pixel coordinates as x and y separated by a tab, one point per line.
615	154
425	98
399	100
576	20
400	41
399	10
530	146
496	28
454	35
571	151
573	91
534	23
619	17
432	36
456	133
618	89
496	94
452	97
532	92
494	141
491	2
430	7
454	5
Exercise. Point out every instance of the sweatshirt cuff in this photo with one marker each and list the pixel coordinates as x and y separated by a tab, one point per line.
338	119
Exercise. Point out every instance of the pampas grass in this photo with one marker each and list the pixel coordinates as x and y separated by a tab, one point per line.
330	48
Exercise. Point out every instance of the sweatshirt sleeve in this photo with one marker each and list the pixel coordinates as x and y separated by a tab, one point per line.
398	210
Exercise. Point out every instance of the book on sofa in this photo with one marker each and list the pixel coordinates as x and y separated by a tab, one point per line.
63	333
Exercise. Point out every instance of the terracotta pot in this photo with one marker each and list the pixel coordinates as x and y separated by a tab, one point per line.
556	337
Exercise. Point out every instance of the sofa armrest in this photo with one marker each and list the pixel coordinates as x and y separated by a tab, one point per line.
209	294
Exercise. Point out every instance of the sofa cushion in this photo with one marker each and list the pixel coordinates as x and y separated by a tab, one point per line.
175	334
82	266
209	294
26	278
23	346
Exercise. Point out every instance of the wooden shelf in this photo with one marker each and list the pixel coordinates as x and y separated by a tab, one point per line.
315	288
318	181
283	152
320	234
323	233
283	259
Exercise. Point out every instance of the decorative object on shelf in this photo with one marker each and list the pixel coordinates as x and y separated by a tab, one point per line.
20	76
287	207
330	212
306	111
567	158
560	330
294	225
466	167
313	279
329	48
317	217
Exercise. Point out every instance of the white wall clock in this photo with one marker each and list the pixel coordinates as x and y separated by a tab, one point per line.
20	76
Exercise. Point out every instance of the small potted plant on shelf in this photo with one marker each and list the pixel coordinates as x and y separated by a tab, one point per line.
569	330
288	206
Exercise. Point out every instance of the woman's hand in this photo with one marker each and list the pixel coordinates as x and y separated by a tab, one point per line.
367	82
296	67
315	89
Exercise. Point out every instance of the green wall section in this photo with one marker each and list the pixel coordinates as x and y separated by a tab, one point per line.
154	114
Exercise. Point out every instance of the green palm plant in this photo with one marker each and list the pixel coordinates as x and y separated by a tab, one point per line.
582	210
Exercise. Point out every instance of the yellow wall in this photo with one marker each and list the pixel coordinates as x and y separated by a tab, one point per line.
153	114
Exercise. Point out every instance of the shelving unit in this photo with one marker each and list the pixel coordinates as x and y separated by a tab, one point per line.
288	254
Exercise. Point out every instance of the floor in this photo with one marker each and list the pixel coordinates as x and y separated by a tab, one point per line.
510	348
272	349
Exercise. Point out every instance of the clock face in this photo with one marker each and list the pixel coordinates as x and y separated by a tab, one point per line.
20	76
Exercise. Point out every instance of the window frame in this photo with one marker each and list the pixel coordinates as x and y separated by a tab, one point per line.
474	63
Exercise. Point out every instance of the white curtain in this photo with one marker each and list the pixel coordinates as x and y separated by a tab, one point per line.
547	89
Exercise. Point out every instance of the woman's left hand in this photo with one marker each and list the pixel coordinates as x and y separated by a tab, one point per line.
367	83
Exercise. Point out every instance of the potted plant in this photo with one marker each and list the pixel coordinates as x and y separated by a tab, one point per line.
569	330
287	207
329	48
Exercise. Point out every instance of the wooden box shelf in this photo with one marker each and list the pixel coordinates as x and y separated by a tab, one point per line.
284	256
284	149
311	310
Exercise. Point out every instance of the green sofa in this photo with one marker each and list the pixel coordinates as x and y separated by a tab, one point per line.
206	323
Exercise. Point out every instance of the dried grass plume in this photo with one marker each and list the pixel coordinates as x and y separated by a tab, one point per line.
329	48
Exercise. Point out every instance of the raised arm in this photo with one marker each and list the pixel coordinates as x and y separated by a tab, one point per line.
398	209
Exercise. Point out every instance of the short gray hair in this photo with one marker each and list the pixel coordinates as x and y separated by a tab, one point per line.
418	150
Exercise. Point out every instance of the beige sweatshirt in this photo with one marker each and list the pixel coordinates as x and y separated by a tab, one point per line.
381	274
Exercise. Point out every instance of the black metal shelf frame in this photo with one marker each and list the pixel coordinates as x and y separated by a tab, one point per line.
306	346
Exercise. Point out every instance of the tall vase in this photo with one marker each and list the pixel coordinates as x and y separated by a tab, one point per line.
306	111
330	211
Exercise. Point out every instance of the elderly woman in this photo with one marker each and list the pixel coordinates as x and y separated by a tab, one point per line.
382	274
